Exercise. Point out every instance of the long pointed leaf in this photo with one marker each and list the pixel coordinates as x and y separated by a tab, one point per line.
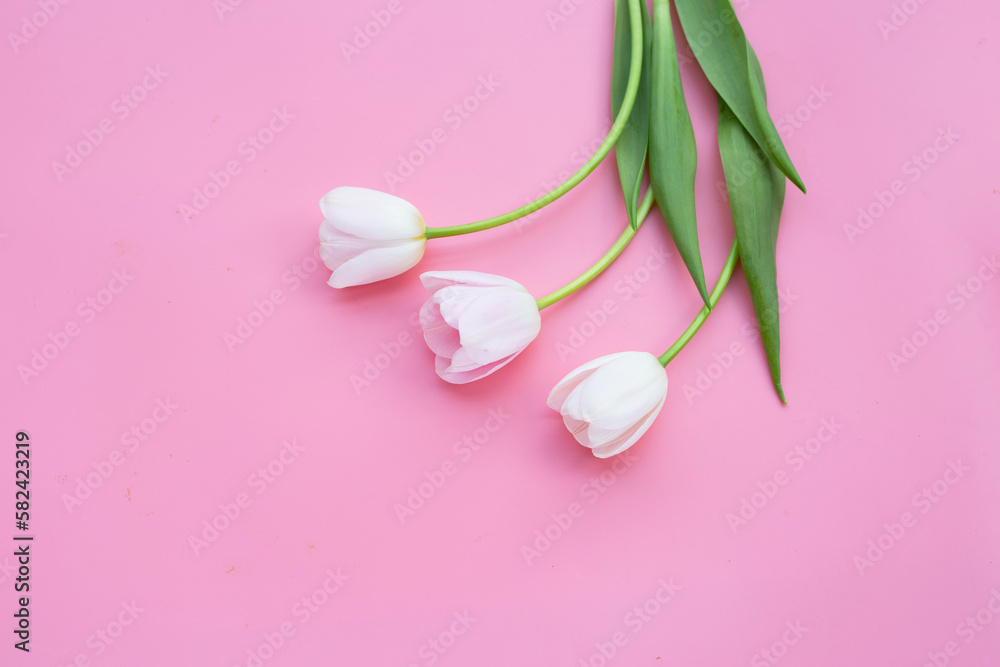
721	47
632	145
673	156
756	196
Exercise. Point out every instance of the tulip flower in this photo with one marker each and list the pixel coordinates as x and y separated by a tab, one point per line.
476	323
368	236
608	403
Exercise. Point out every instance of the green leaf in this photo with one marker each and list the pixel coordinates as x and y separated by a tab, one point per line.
631	148
756	196
673	156
721	47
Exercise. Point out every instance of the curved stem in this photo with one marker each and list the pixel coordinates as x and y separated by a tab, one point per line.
713	298
635	68
605	261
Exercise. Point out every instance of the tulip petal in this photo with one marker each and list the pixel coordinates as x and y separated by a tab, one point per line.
572	412
578	428
476	323
454	300
629	437
443	367
377	264
607	404
498	323
441	338
370	214
461	362
436	280
336	247
621	392
599	436
604	443
493	322
563	388
572	406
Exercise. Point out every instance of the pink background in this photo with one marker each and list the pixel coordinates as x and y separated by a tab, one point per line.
454	583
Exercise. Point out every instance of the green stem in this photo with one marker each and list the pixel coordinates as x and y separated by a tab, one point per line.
635	68
713	298
605	261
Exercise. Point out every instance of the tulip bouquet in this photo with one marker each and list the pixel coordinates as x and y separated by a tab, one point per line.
476	323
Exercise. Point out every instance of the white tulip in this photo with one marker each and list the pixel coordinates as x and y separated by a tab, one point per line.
476	322
368	236
608	403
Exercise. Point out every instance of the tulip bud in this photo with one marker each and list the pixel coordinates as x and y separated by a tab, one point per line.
476	322
368	236
608	403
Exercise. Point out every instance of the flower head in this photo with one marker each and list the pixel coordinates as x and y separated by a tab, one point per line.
608	403
476	322
368	236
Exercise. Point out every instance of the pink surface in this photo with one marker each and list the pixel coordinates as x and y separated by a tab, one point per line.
648	559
